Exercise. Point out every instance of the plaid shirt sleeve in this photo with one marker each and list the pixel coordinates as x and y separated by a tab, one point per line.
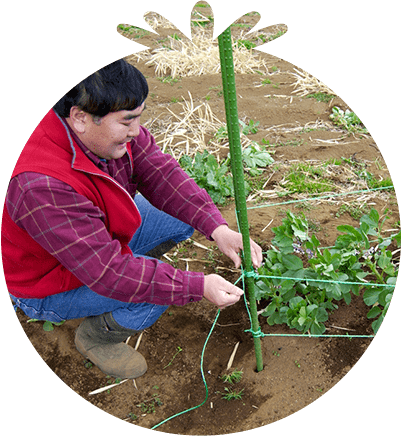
164	184
71	229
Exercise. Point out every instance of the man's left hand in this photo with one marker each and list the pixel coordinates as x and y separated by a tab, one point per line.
230	243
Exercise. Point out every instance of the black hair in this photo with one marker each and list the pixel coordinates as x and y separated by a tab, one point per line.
117	86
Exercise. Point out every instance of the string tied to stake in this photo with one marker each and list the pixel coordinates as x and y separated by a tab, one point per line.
256	334
252	274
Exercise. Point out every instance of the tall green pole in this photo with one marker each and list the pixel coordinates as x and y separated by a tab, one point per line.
232	119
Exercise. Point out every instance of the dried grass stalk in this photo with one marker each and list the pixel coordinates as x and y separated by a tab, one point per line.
182	58
192	130
307	84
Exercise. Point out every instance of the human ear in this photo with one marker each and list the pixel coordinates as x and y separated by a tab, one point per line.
78	119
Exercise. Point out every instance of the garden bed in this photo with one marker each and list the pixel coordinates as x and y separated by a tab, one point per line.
296	129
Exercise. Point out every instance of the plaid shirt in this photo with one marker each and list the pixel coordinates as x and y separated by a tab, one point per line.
71	228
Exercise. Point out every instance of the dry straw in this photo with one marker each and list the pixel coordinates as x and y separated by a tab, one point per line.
184	57
193	130
307	84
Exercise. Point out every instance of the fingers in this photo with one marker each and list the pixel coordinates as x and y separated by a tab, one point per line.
220	292
256	254
236	258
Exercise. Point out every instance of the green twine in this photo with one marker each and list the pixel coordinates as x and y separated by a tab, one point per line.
338	282
202	375
252	274
257	334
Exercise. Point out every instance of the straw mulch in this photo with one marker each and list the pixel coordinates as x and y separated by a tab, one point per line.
306	84
193	130
184	57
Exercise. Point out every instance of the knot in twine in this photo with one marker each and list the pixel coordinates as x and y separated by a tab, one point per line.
252	274
257	334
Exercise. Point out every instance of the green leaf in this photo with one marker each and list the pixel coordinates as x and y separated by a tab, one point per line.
48	326
371	296
322	315
317	328
292	262
351	231
374	312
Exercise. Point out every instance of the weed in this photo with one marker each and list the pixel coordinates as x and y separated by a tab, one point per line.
169	79
245	43
321	97
306	178
292	143
179	349
231	394
137	31
234	377
355	210
251	128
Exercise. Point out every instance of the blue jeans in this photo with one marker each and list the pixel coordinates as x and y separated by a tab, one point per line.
156	228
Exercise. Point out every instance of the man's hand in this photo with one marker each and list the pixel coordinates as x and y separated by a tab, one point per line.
230	243
220	292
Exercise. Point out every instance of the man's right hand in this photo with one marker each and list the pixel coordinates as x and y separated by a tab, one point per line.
220	292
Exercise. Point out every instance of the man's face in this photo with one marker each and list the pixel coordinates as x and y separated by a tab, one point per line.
108	137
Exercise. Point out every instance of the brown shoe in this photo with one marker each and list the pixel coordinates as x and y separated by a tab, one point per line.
100	340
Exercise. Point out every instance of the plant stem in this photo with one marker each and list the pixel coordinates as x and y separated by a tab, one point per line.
232	119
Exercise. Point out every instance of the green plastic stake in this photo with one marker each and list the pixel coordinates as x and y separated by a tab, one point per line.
232	119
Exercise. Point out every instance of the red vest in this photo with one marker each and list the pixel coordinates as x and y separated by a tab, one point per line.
30	271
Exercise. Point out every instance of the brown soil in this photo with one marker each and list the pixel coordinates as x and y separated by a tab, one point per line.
296	371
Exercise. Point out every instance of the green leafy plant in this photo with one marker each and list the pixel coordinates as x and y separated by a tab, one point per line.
347	120
360	255
251	128
210	175
48	326
255	157
215	176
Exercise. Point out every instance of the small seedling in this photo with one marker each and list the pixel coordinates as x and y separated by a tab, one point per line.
48	326
88	364
297	363
234	377
179	349
231	394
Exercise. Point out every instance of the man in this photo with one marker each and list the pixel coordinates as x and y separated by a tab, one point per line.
92	204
